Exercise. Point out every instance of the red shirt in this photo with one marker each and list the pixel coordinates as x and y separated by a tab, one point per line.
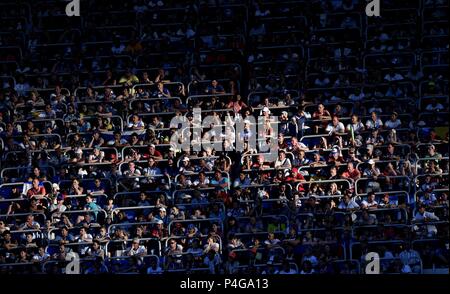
40	191
352	175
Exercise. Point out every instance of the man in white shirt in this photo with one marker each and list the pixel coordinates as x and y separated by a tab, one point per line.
423	216
374	122
335	126
136	123
356	125
370	203
282	161
136	249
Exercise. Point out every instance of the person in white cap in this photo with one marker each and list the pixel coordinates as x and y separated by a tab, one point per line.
186	165
265	111
372	172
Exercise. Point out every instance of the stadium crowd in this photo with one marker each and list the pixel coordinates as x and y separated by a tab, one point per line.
362	131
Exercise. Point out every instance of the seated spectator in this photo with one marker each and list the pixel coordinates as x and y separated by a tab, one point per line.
37	190
374	122
136	249
351	172
282	161
347	203
423	217
335	127
394	122
136	123
215	88
370	203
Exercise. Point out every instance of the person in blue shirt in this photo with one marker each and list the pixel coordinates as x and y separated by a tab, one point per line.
91	205
220	182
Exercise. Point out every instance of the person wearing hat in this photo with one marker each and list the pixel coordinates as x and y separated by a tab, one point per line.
372	172
161	216
423	216
152	152
336	156
186	166
387	202
393	122
58	206
265	111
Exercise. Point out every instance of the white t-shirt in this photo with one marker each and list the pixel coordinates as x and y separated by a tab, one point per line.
140	124
364	203
337	129
139	251
393	124
370	124
357	127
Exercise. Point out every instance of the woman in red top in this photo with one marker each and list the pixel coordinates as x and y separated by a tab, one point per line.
237	105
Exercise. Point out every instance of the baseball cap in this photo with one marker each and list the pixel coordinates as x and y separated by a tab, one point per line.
371	161
266	109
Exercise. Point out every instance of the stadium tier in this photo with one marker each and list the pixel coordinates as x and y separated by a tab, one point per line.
224	137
